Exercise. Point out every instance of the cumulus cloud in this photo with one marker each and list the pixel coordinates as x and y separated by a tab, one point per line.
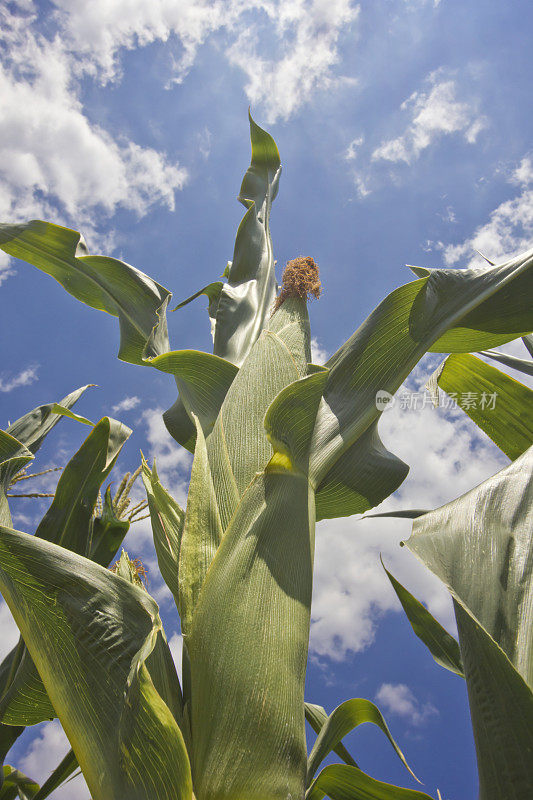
509	228
433	112
56	162
397	698
44	753
126	404
24	378
318	354
447	455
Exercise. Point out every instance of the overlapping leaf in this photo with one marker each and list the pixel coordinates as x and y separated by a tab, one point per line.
92	635
480	546
342	782
317	717
106	284
499	405
443	311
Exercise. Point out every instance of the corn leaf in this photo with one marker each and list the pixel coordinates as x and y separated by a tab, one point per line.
91	634
442	645
212	292
167	520
341	782
203	381
238	446
68	522
499	405
445	310
14	456
520	364
317	716
106	284
108	532
62	772
340	722
480	546
17	785
250	629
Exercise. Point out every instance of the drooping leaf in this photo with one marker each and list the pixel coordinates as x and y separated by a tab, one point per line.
442	645
57	408
91	634
519	364
212	292
203	381
340	722
106	284
480	546
317	716
499	405
341	782
167	520
13	457
445	310
250	628
68	522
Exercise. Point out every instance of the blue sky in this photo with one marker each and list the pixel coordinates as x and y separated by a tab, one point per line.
404	132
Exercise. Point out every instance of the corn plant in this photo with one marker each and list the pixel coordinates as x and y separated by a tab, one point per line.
278	443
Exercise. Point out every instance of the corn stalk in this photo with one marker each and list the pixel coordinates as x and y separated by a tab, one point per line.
278	443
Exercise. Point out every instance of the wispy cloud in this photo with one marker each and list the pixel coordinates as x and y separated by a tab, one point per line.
25	377
126	404
397	698
509	228
433	112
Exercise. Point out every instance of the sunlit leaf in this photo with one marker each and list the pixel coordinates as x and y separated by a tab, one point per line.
342	782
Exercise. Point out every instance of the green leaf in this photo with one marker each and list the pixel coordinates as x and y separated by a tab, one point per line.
528	342
245	300
442	646
68	522
341	782
62	772
91	634
106	284
202	532
212	292
317	717
499	405
519	364
203	381
480	546
250	628
13	457
340	722
238	445
167	520
17	785
66	412
108	532
445	310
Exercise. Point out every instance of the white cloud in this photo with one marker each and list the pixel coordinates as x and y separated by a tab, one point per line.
43	755
447	455
509	228
5	267
353	147
307	58
398	699
176	648
126	404
433	113
318	354
24	378
55	161
8	629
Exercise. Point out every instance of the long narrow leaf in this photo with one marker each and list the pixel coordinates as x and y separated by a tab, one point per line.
499	405
90	634
445	310
480	546
106	284
340	722
63	771
520	364
317	716
341	782
442	646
